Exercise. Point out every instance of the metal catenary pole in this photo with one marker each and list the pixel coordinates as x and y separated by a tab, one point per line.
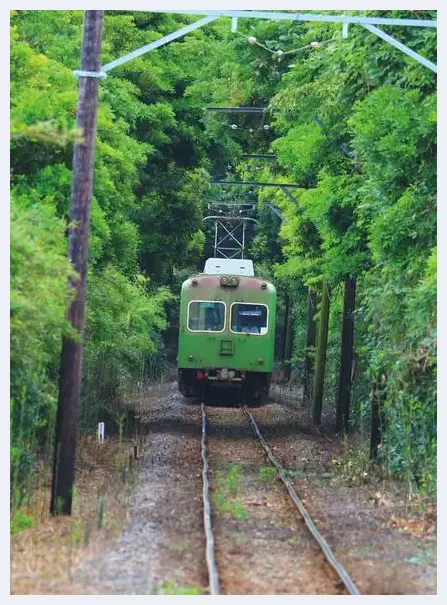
71	356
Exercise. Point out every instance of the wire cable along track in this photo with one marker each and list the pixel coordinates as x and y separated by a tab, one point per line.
210	559
339	569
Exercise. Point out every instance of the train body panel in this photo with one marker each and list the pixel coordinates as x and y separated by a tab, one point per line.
227	333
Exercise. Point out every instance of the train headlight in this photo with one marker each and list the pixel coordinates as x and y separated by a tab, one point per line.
224	280
234	281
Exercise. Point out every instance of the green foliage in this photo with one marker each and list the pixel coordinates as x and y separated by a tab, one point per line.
234	479
353	466
20	521
123	325
77	532
171	588
301	151
140	172
229	485
267	474
39	271
354	124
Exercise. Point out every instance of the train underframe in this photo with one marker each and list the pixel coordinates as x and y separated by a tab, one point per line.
252	387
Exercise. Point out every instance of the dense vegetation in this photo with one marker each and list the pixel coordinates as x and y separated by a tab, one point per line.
352	121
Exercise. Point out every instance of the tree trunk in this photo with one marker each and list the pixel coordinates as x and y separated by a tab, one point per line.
320	362
378	392
71	356
310	344
288	339
347	348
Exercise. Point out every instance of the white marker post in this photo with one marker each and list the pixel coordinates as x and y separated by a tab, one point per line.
100	431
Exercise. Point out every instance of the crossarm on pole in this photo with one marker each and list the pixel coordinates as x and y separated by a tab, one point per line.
277	16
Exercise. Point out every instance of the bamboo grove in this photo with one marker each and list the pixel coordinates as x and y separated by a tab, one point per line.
351	121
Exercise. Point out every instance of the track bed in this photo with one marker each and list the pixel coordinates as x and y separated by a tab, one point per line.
262	546
261	543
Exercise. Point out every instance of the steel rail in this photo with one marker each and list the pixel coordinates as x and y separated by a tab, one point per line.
341	572
210	560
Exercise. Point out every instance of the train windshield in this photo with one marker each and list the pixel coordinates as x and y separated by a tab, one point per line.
206	315
247	317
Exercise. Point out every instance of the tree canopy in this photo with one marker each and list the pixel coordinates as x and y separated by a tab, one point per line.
351	121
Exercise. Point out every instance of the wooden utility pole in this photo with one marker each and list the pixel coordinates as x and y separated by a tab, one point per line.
71	356
347	350
310	343
288	338
320	362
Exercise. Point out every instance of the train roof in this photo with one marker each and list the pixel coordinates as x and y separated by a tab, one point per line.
225	266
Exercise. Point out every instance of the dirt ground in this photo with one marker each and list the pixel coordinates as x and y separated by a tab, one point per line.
387	544
262	546
161	546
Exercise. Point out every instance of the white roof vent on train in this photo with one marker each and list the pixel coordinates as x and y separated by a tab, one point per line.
229	266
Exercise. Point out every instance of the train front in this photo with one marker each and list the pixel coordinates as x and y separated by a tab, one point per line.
227	330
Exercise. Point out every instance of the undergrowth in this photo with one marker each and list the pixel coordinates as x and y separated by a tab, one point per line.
267	474
354	467
226	498
172	588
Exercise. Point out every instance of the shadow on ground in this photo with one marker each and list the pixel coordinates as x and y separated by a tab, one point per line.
294	424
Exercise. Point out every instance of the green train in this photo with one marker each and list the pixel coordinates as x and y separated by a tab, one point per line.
227	331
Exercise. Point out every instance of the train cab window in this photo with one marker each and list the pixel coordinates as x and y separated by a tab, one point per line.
249	318
206	316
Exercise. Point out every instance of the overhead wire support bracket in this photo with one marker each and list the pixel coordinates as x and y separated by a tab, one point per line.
291	197
277	16
157	43
255	184
367	22
237	109
403	47
266	156
276	211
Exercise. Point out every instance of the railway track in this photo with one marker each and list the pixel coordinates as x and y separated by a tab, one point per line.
341	573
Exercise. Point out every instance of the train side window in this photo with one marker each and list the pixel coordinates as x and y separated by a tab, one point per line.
249	318
206	316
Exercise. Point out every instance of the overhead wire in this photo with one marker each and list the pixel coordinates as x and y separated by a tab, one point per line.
280	53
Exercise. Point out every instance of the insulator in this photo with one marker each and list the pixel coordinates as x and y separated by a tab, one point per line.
252	40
